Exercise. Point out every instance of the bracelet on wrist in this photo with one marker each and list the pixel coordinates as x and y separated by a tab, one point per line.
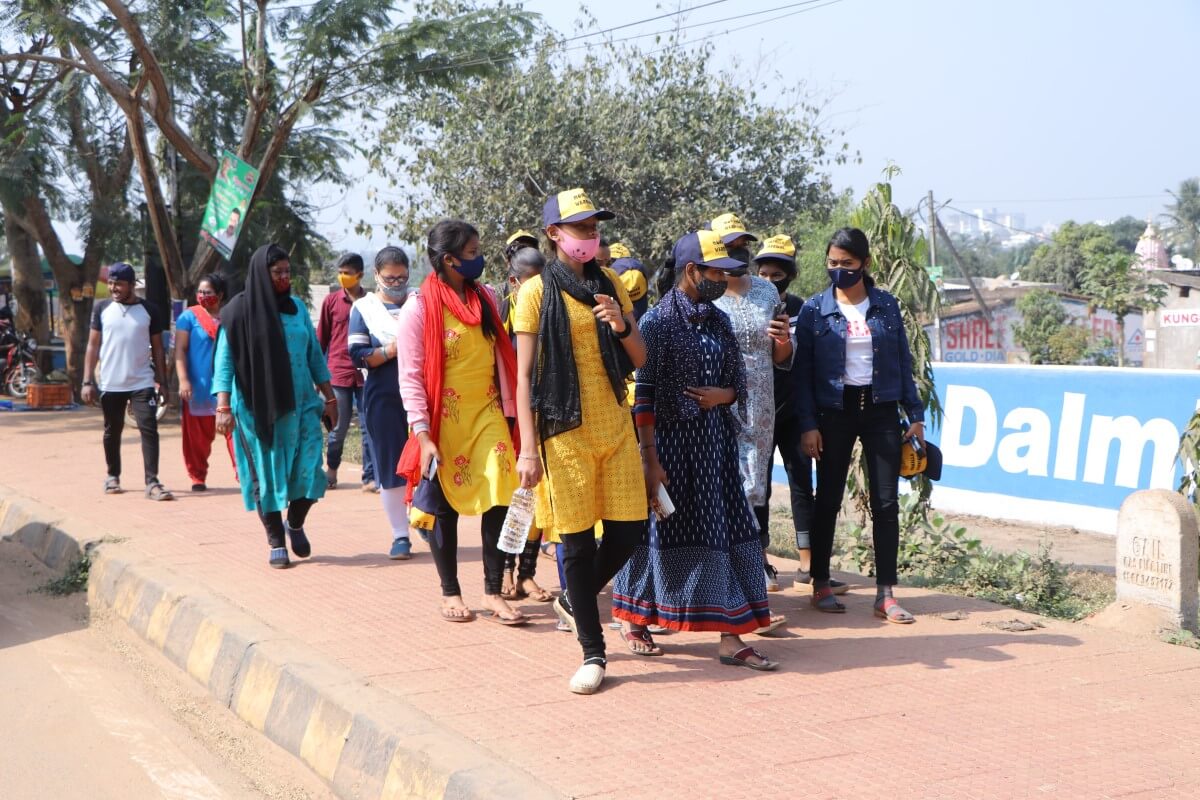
224	409
650	446
528	458
625	333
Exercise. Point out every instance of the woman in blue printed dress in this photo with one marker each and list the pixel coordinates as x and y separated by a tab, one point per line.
701	568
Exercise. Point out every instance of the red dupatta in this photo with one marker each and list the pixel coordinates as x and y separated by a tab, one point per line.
206	320
436	295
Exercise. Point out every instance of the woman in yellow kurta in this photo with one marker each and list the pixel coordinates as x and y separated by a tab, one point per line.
576	343
457	375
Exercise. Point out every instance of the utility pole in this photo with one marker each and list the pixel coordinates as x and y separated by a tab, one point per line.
937	309
962	270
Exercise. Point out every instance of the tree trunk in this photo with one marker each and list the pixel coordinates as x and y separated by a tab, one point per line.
156	207
28	285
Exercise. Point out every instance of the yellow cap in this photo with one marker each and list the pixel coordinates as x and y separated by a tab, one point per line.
635	283
911	463
521	234
778	246
730	227
618	250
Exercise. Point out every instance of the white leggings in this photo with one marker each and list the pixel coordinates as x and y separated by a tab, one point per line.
396	510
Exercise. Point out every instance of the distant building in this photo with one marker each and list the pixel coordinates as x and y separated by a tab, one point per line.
1173	331
969	337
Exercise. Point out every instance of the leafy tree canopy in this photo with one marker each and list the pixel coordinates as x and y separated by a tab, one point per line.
658	138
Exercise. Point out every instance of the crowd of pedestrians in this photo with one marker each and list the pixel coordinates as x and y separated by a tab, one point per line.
646	433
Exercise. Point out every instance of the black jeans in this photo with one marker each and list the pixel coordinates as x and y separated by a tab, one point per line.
799	469
878	426
588	568
145	406
348	398
443	543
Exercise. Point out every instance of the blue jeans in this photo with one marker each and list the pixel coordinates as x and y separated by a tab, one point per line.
337	437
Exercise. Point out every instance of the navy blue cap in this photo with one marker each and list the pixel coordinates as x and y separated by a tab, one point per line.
623	264
122	272
705	249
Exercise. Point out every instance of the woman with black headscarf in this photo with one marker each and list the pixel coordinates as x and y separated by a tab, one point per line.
269	366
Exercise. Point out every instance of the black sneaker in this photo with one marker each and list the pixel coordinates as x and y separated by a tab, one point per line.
562	607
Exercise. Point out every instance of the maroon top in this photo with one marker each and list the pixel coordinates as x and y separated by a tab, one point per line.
332	328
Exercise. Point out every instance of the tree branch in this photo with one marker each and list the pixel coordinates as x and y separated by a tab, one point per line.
152	69
62	62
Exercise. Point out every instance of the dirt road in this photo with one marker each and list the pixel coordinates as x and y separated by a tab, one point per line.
88	712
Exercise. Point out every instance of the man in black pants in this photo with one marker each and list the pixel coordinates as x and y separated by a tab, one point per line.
126	337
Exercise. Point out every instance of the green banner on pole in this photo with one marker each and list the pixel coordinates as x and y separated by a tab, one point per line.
228	202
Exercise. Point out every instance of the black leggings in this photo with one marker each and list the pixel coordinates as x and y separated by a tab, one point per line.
297	512
878	426
799	471
444	545
145	408
588	569
526	562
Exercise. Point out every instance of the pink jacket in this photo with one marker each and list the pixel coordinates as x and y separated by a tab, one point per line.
410	359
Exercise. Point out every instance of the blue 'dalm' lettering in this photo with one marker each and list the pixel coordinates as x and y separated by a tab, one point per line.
1088	436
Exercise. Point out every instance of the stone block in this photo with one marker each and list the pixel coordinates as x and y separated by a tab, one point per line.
1158	556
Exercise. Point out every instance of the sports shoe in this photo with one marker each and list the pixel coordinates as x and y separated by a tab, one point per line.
300	544
401	549
279	558
562	607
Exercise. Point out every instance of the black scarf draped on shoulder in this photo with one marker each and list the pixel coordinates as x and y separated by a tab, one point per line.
254	332
555	386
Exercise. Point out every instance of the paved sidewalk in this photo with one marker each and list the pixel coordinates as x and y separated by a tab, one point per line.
860	709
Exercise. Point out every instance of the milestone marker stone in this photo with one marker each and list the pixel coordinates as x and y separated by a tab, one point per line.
1158	556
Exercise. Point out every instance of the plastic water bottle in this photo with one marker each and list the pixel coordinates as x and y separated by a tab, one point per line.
517	522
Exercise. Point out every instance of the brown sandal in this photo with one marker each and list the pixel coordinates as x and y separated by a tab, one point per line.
537	595
641	635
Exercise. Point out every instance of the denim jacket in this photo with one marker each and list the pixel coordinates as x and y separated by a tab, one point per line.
821	357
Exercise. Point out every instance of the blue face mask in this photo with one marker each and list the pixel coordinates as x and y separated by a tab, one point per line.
472	268
845	278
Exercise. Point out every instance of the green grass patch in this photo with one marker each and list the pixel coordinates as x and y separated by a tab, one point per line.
75	579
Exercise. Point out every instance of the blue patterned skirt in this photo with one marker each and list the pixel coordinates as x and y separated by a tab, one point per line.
701	569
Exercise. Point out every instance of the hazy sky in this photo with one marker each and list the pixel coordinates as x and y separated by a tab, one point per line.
1060	109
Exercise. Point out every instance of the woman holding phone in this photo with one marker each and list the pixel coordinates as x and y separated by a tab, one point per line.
701	567
760	324
576	343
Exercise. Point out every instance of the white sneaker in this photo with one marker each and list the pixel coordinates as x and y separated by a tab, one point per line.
587	679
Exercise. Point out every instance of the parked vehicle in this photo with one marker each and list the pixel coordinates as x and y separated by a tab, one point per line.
18	362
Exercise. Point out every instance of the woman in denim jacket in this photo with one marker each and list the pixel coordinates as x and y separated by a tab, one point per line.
854	372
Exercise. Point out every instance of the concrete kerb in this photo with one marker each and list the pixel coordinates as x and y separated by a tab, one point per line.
365	742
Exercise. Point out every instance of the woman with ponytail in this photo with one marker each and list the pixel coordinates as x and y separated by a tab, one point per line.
457	373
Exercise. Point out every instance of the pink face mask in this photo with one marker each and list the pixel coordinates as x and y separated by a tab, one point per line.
582	250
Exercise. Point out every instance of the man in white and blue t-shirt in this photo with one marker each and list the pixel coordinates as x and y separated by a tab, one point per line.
126	337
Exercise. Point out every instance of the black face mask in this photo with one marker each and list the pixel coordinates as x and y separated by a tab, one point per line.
742	254
781	285
709	290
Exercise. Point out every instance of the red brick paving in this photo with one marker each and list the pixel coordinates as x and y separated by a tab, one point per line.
943	710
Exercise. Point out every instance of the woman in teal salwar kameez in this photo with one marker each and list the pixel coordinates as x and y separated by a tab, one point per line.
269	368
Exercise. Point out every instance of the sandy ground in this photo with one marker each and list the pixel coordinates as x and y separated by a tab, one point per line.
87	711
1082	548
